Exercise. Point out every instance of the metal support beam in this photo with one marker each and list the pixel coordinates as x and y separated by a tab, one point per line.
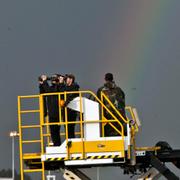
165	171
75	174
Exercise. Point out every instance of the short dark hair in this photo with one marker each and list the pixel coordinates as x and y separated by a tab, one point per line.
60	75
71	76
109	77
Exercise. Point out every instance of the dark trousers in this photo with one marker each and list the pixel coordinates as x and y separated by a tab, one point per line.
72	115
55	131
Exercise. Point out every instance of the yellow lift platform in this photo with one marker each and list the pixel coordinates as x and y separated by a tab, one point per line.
90	148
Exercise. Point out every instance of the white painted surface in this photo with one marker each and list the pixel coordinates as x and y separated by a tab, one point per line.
138	122
127	139
51	177
90	111
89	162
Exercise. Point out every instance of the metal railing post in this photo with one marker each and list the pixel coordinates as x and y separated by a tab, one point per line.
20	138
81	126
41	107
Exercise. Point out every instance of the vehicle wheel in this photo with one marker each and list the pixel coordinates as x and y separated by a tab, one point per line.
164	146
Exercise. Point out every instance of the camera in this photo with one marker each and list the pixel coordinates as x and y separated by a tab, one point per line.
39	78
52	79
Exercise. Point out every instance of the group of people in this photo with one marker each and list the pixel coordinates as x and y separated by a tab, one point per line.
61	83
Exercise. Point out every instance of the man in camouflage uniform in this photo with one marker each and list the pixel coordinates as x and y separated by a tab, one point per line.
117	97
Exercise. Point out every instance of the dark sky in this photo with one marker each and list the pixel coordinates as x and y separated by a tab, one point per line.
137	41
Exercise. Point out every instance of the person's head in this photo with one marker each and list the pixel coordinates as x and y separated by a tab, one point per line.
61	78
70	78
42	78
108	77
54	79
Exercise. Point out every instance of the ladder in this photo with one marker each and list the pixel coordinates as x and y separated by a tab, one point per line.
24	156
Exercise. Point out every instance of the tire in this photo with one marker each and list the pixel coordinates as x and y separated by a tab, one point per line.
164	146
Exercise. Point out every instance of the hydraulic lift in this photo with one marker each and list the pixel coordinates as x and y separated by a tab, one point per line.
91	148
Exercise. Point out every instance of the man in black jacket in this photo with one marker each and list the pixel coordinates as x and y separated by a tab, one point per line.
51	104
117	97
72	115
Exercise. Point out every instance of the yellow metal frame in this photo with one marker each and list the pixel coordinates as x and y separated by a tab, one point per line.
98	147
25	156
83	147
103	96
129	108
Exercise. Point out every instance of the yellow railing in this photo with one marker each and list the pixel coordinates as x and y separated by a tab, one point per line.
103	96
129	109
22	142
121	117
81	122
43	124
96	99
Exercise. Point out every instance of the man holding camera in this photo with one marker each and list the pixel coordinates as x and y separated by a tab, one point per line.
51	104
71	86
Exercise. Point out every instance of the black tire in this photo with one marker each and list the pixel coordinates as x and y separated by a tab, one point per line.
164	146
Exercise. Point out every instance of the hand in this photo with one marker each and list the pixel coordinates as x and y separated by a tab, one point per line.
40	82
66	103
43	77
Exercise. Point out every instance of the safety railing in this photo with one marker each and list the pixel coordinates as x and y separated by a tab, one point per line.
132	118
128	109
44	124
115	113
63	120
22	142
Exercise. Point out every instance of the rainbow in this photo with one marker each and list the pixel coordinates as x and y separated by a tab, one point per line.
143	22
